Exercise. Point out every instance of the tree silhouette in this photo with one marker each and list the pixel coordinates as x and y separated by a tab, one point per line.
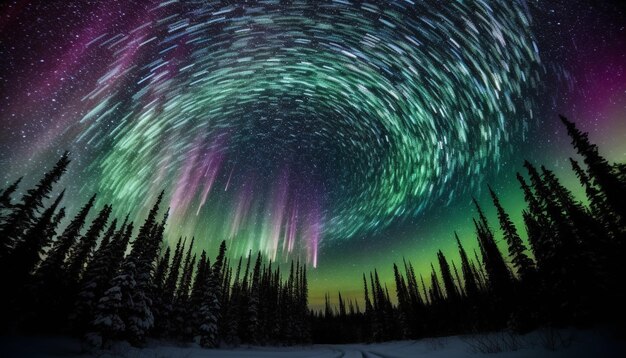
517	250
470	285
24	213
599	169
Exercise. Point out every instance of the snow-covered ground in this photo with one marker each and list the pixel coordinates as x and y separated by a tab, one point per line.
544	343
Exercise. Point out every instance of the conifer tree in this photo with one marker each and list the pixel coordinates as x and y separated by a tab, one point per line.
342	307
24	213
78	258
27	254
210	308
174	273
599	207
231	319
185	284
368	312
56	221
125	310
446	276
108	235
470	285
561	251
436	295
51	284
185	280
588	232
579	237
534	206
251	322
495	266
517	250
328	310
304	307
196	296
533	231
158	286
458	285
538	228
381	328
244	297
599	169
118	248
427	300
95	277
5	195
161	270
412	286
51	270
403	301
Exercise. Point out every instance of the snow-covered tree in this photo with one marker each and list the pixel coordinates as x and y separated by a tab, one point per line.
210	308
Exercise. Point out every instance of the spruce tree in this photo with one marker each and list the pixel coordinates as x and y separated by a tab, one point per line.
599	169
251	319
158	286
369	319
174	272
427	300
185	280
17	300
328	310
599	207
51	270
108	235
82	252
533	231
24	214
27	254
5	195
161	270
92	282
534	205
457	277
495	266
469	279
51	283
403	302
210	308
517	250
304	307
230	325
342	307
197	294
412	286
436	296
538	227
244	297
446	276
118	247
56	221
125	310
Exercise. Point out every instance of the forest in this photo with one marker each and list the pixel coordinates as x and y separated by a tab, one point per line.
111	280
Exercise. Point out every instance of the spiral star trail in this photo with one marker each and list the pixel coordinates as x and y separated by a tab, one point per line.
350	113
289	127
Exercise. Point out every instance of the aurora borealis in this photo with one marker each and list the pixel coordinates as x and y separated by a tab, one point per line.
344	133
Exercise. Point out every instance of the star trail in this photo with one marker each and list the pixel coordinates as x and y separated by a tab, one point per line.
289	127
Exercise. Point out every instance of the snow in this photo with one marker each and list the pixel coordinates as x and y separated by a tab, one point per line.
544	343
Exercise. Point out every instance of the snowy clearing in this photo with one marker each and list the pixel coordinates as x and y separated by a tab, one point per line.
543	343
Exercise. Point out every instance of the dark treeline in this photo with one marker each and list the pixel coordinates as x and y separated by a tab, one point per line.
572	273
105	281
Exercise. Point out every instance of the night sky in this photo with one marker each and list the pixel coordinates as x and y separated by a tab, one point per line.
348	134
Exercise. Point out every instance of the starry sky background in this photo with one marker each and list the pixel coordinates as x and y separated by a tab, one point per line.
348	134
